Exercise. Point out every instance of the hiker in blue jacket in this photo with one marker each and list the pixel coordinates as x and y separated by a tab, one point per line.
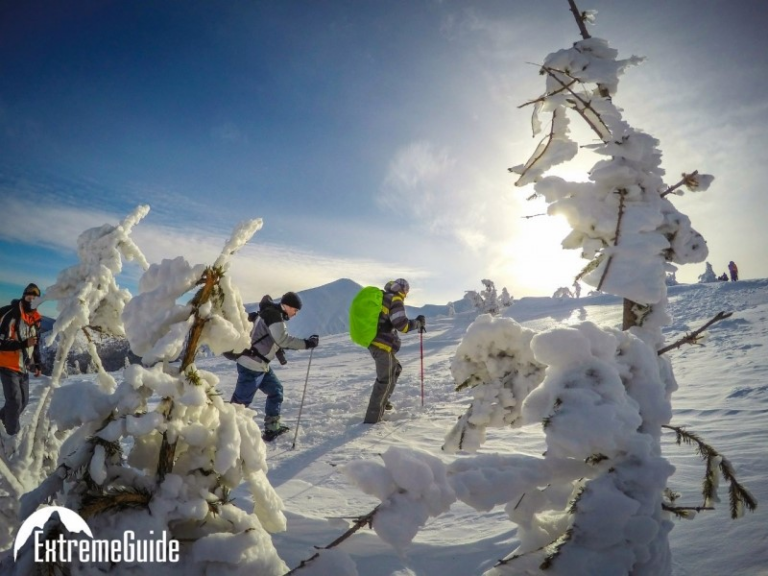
268	338
386	344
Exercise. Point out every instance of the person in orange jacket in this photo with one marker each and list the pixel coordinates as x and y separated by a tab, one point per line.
734	271
19	355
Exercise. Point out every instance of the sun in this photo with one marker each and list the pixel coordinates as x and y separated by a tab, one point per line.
536	260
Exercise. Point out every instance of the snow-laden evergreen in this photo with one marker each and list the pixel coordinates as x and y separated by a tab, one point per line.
161	451
88	297
708	275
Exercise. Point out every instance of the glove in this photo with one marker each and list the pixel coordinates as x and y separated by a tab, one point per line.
421	323
312	341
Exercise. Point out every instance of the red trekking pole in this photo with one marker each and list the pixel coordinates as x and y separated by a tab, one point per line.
421	350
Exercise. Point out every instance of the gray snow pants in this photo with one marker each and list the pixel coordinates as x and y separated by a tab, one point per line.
388	370
16	392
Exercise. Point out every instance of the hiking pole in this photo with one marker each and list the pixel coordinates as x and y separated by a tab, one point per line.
421	350
301	406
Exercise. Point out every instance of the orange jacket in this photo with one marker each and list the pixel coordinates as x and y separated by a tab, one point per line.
16	327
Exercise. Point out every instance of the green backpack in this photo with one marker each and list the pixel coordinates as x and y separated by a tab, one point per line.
364	315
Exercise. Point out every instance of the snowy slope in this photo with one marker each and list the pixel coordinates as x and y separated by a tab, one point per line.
723	396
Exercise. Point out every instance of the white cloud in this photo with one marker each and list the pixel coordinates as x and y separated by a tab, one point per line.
257	269
416	178
53	226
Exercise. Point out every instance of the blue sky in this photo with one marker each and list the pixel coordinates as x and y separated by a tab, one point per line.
372	137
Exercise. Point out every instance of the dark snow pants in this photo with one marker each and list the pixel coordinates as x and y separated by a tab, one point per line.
16	392
248	381
388	370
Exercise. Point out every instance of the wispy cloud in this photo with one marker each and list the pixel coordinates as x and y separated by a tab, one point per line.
416	178
259	268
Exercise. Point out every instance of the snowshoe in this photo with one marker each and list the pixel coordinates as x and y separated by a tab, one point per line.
269	435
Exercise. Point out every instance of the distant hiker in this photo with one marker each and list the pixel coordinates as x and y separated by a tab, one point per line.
723	277
385	345
19	355
734	271
268	337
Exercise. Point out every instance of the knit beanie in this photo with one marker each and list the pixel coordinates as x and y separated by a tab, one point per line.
32	289
291	299
400	285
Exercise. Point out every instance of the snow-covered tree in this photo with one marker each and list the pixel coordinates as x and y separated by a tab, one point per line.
490	298
563	292
597	501
161	451
671	279
451	310
488	301
577	289
506	298
709	274
88	299
475	299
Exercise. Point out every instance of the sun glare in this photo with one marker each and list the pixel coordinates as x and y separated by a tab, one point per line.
538	264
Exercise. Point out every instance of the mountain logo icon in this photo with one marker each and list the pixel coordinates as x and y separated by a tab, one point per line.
72	521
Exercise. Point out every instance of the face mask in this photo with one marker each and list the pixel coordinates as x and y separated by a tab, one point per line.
29	306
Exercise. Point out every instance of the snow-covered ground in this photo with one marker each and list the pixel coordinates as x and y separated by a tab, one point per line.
723	396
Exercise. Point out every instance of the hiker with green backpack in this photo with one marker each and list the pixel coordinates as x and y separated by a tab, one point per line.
375	317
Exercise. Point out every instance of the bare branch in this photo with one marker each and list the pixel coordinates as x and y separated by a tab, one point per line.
693	337
579	20
360	522
534	215
548	94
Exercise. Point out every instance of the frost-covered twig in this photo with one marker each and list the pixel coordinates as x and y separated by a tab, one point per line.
360	522
688	180
617	235
693	337
586	104
739	497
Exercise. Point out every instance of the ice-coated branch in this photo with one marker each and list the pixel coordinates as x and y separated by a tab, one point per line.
543	148
693	337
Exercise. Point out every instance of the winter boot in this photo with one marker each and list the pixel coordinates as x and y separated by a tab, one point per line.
272	428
